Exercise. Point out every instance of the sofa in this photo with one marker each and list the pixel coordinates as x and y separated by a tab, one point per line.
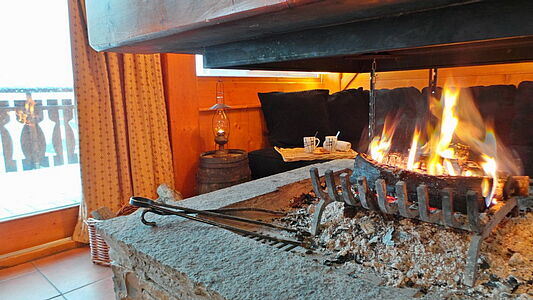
291	116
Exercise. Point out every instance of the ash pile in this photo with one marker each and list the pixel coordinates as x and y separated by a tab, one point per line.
400	252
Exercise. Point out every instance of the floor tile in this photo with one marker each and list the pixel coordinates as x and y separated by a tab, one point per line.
71	269
16	271
31	286
101	290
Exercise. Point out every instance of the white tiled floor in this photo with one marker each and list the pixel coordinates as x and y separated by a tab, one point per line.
68	275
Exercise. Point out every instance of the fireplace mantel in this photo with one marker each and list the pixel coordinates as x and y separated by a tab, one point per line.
188	260
318	35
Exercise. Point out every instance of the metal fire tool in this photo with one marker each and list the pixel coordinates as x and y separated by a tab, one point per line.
167	209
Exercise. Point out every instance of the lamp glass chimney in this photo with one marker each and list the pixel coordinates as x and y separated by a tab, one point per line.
221	124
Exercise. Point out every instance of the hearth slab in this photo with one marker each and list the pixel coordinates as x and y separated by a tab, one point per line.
188	260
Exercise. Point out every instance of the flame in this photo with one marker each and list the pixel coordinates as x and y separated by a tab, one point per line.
380	145
456	141
490	168
449	167
413	150
485	187
441	139
448	124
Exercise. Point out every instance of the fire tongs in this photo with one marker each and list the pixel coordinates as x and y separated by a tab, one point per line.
193	214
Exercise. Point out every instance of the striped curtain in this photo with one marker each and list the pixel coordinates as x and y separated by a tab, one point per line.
123	130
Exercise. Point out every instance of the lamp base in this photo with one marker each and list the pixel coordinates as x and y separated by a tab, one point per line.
221	140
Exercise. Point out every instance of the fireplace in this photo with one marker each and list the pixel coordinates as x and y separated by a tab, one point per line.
416	214
387	224
356	253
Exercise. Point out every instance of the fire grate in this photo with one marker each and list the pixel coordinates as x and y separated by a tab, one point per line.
360	194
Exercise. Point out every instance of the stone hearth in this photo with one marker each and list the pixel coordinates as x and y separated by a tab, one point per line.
182	259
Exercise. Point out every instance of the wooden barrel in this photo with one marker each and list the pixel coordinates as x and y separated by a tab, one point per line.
215	173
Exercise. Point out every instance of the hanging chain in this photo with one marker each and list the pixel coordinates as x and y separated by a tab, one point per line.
432	83
372	101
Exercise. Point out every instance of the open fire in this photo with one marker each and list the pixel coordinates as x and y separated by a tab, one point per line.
453	140
455	173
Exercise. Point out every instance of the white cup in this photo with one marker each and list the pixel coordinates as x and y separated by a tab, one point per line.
343	146
310	143
330	142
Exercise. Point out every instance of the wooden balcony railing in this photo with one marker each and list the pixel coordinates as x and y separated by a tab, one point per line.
38	128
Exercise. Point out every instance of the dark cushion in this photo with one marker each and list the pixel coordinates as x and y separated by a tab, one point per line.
523	155
521	138
291	116
348	113
402	103
266	162
496	102
523	115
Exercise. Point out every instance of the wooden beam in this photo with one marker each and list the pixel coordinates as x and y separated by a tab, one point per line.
38	229
32	253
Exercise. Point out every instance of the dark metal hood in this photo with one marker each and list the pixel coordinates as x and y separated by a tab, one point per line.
315	35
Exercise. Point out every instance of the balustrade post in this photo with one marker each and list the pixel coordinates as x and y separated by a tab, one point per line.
5	136
57	140
68	115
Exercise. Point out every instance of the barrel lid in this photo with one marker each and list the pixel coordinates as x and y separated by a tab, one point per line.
233	155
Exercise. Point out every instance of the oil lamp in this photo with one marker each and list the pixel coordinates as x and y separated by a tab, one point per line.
220	124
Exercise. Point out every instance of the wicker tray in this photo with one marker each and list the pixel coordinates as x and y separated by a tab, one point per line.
298	154
99	248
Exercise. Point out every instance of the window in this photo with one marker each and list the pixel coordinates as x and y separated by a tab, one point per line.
201	71
39	164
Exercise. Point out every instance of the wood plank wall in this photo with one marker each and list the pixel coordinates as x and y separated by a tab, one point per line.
462	76
189	98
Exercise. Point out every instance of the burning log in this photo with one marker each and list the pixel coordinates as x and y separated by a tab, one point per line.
372	170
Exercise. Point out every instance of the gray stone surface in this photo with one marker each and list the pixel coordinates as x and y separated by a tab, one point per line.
182	259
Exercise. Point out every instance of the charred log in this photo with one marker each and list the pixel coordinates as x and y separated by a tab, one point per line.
506	186
372	170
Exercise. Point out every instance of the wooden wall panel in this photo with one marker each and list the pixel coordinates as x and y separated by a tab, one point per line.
463	76
189	98
181	95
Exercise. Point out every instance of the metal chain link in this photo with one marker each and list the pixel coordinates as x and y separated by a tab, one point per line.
372	101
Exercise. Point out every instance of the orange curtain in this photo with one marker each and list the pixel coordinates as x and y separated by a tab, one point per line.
123	130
